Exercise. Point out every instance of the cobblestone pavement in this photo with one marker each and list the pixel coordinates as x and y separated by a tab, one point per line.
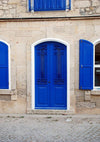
49	128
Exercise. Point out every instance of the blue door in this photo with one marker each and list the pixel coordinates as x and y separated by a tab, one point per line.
50	76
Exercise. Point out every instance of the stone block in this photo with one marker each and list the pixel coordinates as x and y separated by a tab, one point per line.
14	1
5	1
87	96
13	97
96	3
1	12
98	10
86	105
81	3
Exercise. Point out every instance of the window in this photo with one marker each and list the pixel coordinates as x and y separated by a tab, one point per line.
89	54
4	70
49	5
97	66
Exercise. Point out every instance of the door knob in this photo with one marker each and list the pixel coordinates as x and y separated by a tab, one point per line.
48	81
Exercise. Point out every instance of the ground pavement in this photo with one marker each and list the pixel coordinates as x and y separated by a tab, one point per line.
49	128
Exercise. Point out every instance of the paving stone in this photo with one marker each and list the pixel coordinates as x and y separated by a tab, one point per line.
49	128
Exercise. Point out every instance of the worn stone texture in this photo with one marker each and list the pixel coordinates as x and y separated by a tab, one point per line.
19	8
21	35
49	128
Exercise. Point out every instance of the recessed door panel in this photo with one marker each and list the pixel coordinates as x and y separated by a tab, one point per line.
41	76
59	76
50	76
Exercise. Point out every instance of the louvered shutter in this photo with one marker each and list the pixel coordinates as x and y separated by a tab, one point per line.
86	65
48	5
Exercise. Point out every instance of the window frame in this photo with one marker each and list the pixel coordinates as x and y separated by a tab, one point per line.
95	66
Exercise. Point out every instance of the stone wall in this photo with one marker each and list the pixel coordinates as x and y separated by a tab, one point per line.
21	35
88	7
19	8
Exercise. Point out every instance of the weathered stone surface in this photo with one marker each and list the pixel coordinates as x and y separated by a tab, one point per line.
86	105
49	128
19	8
82	3
22	34
87	95
96	2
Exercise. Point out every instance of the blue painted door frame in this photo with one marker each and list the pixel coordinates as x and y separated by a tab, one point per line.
50	76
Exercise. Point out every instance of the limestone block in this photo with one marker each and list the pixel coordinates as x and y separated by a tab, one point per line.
0	3
98	10
14	95
87	96
86	105
1	12
14	2
96	99
5	1
21	78
96	3
85	3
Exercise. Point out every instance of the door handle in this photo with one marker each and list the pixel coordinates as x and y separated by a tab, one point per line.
48	81
81	66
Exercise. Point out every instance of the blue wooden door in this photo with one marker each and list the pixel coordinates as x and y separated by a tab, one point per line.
4	80
50	76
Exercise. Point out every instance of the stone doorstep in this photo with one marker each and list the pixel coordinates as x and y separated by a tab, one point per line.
51	112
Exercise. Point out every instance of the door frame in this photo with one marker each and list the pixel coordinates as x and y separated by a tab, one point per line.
33	69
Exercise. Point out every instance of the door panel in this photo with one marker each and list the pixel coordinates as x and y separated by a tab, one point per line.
41	73
50	76
59	76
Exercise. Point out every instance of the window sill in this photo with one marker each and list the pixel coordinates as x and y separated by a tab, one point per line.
7	92
95	92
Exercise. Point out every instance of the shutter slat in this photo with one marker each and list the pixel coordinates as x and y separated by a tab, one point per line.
47	5
86	65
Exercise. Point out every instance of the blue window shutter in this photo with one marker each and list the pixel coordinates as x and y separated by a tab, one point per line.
86	65
4	78
48	5
29	3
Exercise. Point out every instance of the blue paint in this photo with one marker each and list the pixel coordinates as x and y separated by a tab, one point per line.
49	5
29	3
50	76
4	77
86	65
69	5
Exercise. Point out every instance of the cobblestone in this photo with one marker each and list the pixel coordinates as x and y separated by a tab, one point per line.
50	128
